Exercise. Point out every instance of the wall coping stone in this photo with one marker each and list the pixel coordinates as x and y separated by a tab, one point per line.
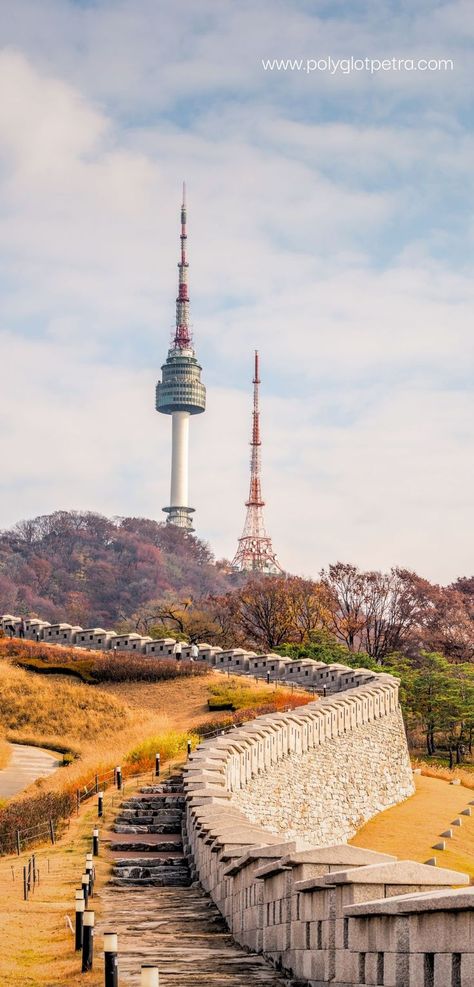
259	853
400	872
426	901
337	855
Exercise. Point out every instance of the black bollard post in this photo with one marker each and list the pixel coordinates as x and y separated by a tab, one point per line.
110	959
85	887
118	777
268	678
189	747
95	842
100	804
149	976
88	941
325	689
80	906
157	765
90	871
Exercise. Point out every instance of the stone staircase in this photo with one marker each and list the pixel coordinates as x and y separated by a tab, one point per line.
160	916
147	838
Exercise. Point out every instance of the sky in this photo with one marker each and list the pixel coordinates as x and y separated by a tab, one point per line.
330	226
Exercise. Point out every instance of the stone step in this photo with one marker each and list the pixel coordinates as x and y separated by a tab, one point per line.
161	790
142	845
167	874
164	861
155	827
139	815
175	880
154	801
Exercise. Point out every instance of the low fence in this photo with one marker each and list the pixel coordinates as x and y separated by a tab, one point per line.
46	830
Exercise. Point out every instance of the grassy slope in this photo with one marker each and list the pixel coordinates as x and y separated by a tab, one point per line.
409	829
62	709
40	945
39	941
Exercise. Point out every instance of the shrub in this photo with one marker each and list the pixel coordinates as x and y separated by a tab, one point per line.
235	695
32	814
123	667
96	666
168	744
68	758
241	716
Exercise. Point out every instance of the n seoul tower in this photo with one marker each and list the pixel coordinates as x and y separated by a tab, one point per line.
180	393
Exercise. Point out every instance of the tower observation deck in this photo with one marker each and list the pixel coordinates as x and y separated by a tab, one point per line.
180	392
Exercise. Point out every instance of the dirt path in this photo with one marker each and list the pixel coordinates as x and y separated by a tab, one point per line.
25	766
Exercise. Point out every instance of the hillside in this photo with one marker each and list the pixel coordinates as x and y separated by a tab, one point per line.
99	571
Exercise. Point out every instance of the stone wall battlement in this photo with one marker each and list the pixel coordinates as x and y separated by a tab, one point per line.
268	809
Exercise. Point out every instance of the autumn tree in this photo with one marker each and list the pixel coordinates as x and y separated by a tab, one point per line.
182	619
378	612
260	611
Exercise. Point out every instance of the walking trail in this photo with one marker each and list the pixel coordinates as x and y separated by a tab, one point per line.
25	766
160	918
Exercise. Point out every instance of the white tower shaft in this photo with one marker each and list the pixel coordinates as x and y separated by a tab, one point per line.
180	459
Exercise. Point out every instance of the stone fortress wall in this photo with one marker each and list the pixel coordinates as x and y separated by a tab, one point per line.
269	807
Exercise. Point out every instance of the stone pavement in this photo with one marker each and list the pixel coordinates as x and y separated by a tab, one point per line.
26	764
158	916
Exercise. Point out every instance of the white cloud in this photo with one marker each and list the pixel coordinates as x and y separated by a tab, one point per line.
320	241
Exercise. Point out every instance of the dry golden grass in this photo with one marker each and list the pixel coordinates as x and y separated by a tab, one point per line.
465	776
61	709
185	704
408	830
40	949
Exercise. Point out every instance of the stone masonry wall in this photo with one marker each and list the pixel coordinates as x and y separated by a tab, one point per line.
268	808
325	795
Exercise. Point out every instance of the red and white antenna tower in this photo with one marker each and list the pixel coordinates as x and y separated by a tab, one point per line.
255	551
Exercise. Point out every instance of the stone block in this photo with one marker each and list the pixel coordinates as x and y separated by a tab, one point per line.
455	781
442	969
456	822
447	833
466	812
440	846
390	965
467	968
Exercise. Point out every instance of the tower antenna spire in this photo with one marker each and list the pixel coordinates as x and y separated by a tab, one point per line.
182	336
255	551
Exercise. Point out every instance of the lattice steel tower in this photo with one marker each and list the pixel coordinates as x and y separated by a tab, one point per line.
255	551
180	393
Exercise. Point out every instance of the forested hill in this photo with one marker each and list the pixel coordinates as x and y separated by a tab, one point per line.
86	568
